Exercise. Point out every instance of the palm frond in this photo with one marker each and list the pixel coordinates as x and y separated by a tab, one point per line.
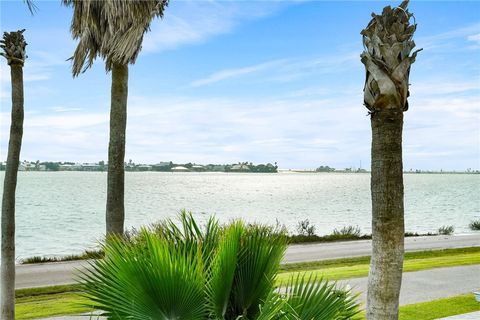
317	299
275	307
183	271
158	283
261	252
110	29
31	6
223	269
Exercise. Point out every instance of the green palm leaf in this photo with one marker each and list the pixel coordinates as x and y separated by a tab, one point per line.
261	252
223	269
317	299
183	271
275	307
161	282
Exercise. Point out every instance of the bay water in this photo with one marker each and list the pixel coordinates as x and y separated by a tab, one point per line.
60	213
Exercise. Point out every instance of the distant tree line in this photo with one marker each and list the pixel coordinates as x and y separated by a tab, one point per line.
160	167
325	169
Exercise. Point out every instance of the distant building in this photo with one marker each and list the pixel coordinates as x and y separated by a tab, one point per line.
179	169
197	167
27	166
70	167
162	166
241	167
91	167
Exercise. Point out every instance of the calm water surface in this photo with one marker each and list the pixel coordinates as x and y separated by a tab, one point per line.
64	212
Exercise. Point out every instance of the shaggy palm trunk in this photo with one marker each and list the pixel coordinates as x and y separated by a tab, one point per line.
115	215
14	50
388	43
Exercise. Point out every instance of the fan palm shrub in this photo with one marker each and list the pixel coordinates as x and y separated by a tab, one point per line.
217	272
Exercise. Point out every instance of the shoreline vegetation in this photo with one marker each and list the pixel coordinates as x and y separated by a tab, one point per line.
305	234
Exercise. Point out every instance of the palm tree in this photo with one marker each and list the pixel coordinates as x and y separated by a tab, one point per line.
31	6
226	272
113	30
13	46
388	44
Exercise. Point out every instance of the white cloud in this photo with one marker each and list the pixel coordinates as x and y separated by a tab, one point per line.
441	86
200	130
65	109
286	70
443	40
326	64
232	73
474	38
39	66
189	22
66	136
75	121
295	132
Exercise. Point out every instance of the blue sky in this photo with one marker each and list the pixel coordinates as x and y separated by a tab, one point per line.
265	81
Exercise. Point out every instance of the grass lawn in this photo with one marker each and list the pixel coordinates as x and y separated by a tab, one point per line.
314	265
336	270
435	309
68	303
47	305
440	308
62	300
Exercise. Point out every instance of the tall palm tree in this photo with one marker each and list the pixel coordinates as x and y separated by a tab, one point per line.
388	44
113	30
13	46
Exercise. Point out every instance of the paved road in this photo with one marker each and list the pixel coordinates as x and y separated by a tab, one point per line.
49	274
417	286
427	285
335	250
466	316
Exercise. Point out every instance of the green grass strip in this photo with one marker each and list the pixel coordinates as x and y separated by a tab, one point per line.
440	308
30	292
435	309
361	270
49	305
354	261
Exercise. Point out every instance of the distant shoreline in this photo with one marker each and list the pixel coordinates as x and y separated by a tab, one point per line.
280	171
368	172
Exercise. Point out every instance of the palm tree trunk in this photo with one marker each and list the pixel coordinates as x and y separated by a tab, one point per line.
387	215
115	215
388	43
8	200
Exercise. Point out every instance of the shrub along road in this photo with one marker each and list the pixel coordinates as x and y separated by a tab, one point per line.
57	273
